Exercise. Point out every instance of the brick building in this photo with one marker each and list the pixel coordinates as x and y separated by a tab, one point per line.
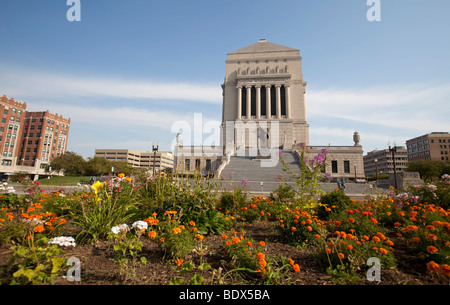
29	140
432	146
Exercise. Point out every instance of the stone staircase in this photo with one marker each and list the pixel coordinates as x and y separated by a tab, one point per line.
243	167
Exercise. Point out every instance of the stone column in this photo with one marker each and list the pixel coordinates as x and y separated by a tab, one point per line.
278	88
268	111
287	100
239	103
249	101
258	102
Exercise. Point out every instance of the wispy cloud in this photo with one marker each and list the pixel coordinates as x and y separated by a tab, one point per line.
26	82
412	106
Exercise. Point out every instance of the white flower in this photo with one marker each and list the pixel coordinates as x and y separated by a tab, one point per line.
120	228
63	241
140	225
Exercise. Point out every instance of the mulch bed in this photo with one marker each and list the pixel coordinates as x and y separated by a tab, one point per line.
98	266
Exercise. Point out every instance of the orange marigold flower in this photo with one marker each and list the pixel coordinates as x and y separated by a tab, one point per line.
199	237
291	261
383	251
192	223
341	255
328	250
349	247
296	268
317	236
228	242
381	235
176	230
389	243
445	269
39	229
432	266
262	243
162	239
376	239
152	234
343	235
432	249
293	229
397	224
374	220
179	262
431	237
224	236
415	240
249	243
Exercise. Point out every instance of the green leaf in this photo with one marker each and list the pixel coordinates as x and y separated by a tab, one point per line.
187	267
197	280
176	281
204	267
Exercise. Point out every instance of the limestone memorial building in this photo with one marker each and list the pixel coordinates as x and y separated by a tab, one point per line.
263	112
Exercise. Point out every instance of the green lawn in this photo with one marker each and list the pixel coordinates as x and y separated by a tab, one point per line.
65	180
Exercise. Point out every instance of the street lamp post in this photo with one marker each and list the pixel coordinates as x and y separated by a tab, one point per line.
155	149
393	150
376	169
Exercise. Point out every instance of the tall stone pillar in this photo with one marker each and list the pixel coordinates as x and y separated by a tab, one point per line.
239	103
258	102
268	110
287	99
278	88
249	101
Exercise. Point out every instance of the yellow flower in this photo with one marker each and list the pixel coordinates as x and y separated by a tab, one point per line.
121	175
98	186
176	231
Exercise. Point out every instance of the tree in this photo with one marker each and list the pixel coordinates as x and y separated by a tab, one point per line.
427	169
71	163
98	166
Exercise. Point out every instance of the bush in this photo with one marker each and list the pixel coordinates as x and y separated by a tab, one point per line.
332	202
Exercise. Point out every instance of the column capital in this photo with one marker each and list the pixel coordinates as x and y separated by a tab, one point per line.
278	85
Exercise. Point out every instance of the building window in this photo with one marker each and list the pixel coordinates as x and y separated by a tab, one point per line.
197	164
347	167
187	164
334	166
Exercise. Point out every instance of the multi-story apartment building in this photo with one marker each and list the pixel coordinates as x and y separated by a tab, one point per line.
139	159
29	140
383	161
44	138
11	130
432	146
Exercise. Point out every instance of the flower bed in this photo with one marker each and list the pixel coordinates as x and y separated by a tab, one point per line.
172	230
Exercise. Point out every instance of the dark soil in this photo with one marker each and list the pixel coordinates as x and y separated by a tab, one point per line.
98	266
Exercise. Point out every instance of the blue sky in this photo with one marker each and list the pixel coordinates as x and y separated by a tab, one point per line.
130	69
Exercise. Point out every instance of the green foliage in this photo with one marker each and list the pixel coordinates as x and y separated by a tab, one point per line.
72	163
332	202
100	213
10	200
308	178
429	170
283	193
37	264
